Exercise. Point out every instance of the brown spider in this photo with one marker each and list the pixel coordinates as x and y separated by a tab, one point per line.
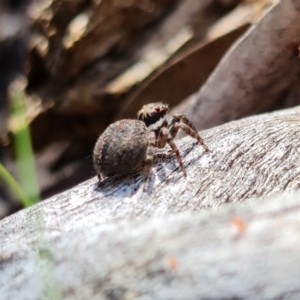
163	129
126	144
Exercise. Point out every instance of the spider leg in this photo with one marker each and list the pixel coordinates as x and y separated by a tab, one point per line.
98	172
174	130
99	178
161	142
181	121
182	118
164	134
149	158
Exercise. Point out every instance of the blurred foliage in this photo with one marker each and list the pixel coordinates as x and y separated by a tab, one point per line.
28	192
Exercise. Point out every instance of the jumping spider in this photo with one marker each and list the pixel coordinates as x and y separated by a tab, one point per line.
127	144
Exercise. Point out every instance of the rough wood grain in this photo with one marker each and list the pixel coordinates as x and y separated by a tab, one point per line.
116	242
186	256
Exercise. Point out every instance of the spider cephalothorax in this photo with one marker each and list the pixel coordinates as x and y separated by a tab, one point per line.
165	128
128	144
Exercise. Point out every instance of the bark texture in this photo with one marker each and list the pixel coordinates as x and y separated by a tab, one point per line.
118	242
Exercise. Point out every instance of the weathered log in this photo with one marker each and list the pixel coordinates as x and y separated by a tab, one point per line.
103	243
248	251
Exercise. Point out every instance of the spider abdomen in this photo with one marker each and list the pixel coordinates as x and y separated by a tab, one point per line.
121	148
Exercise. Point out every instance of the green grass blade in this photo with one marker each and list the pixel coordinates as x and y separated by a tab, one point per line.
22	144
13	185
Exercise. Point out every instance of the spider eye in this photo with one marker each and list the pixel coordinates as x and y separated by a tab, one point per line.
151	118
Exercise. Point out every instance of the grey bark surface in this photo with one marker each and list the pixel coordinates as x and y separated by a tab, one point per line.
118	242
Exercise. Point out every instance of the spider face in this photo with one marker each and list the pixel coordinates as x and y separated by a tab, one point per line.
153	112
127	144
